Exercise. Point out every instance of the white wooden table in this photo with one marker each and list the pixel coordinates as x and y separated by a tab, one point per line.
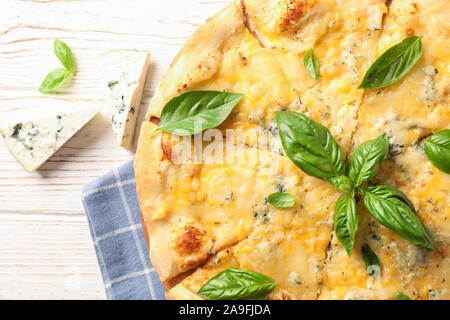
45	246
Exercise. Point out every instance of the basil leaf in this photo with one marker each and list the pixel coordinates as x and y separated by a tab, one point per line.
437	149
311	63
393	64
388	191
401	296
310	145
346	221
371	261
64	54
342	183
54	80
388	207
364	162
195	111
237	284
281	199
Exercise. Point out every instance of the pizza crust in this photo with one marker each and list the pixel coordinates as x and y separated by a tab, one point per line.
180	292
147	184
176	243
281	24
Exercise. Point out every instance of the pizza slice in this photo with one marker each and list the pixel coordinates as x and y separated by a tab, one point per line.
417	105
290	248
192	209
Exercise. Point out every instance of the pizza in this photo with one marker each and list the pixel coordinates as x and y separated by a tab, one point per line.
248	206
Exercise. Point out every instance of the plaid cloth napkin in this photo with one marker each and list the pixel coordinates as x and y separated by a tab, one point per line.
112	211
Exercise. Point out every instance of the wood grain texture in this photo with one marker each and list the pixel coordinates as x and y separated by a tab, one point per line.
46	249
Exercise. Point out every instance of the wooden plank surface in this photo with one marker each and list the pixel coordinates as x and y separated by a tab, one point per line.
45	246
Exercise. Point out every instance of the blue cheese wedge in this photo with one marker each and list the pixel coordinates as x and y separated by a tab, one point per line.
33	142
124	73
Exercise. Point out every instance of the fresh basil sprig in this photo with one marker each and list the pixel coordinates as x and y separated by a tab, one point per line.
281	199
58	76
364	162
237	284
371	261
437	149
401	296
311	63
393	64
312	148
310	145
195	111
391	211
346	221
342	183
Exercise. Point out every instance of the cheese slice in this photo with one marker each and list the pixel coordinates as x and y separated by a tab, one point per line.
33	142
124	73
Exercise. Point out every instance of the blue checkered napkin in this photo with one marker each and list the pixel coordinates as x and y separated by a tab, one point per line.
112	211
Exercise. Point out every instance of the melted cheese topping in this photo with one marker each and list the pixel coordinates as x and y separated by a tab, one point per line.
226	203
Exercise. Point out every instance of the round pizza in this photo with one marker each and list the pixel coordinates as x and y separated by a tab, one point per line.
299	149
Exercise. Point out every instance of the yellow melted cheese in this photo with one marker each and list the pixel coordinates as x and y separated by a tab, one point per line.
290	245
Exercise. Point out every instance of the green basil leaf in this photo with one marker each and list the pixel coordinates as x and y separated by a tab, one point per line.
388	191
401	296
281	199
371	261
390	209
311	63
310	145
54	80
342	183
346	221
64	54
437	149
364	162
195	111
393	64
237	284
